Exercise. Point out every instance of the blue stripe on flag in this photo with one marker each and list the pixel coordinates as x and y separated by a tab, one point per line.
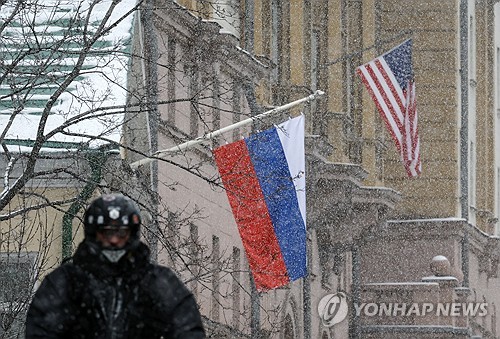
272	171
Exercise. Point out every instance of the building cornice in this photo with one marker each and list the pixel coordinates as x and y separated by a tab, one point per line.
207	40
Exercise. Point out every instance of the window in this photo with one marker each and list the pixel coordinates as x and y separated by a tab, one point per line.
472	183
216	93
171	79
497	213
280	46
275	8
172	238
472	113
236	286
194	258
194	107
497	85
215	278
247	30
315	62
17	277
226	13
497	118
288	332
236	108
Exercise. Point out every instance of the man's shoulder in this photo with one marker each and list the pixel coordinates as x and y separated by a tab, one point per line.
63	272
165	287
60	270
164	276
59	281
163	272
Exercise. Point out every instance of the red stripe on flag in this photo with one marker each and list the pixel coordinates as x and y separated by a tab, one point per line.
396	111
393	93
383	112
252	216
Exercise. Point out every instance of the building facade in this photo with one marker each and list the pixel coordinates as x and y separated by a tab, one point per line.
373	234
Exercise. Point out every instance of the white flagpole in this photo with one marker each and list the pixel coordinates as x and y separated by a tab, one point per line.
188	144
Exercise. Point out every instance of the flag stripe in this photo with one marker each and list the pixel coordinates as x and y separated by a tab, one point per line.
291	135
271	167
383	94
376	92
252	216
390	81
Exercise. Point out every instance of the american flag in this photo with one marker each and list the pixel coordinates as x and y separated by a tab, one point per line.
389	79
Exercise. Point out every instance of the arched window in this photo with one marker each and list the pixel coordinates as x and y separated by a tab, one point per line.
497	123
288	332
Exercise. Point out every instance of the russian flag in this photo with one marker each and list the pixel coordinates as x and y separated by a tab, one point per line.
264	178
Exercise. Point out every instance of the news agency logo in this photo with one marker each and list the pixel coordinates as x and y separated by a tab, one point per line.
421	309
332	309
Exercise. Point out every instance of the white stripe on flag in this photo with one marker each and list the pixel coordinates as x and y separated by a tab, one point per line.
291	134
390	119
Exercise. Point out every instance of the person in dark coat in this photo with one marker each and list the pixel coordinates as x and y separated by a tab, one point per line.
110	289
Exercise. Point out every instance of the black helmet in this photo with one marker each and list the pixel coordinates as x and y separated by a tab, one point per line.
112	210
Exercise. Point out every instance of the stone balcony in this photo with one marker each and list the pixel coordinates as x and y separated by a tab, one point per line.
399	264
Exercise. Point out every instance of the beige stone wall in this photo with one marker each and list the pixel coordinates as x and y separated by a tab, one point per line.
340	204
435	59
39	231
485	116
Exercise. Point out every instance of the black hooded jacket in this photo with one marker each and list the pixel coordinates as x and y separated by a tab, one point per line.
93	298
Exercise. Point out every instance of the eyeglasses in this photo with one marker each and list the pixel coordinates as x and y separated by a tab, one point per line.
119	232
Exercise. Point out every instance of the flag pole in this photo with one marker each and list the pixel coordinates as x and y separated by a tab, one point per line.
188	144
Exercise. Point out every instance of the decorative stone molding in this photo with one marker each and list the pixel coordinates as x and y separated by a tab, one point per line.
340	209
337	201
